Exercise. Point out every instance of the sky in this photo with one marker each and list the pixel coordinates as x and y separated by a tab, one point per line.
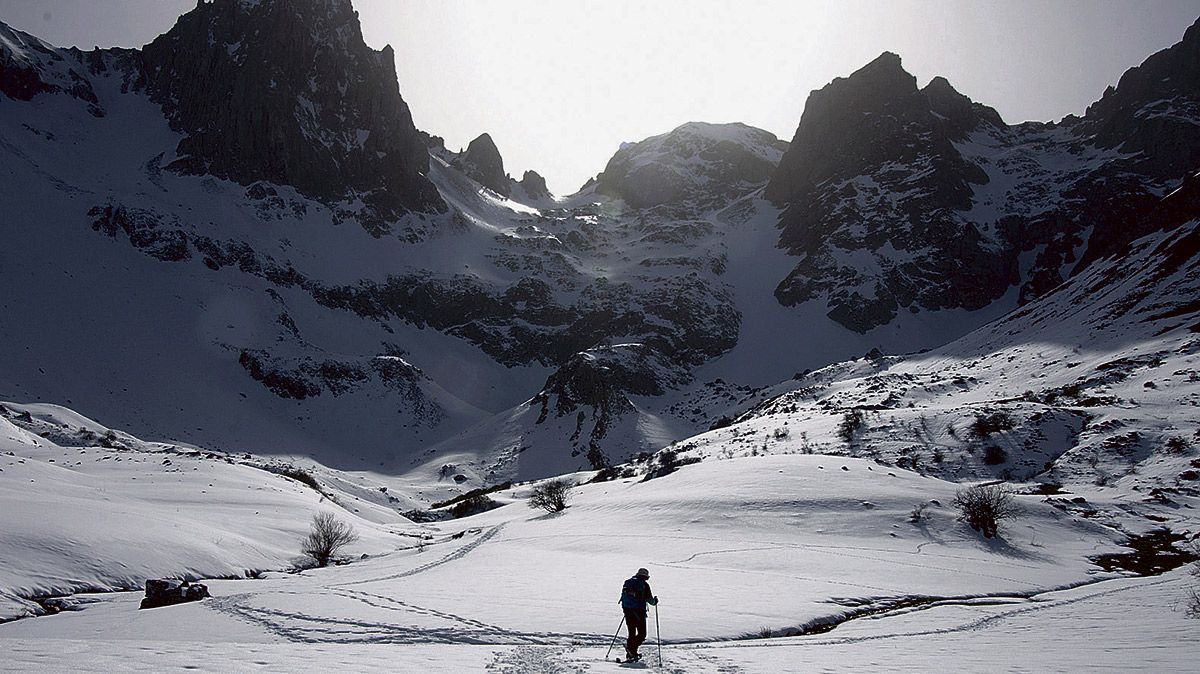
560	84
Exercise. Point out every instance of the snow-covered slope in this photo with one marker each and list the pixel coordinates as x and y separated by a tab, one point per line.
275	299
1092	388
86	509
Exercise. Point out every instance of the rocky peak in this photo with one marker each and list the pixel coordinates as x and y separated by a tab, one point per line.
288	92
482	162
534	185
1154	110
860	140
959	114
875	115
697	162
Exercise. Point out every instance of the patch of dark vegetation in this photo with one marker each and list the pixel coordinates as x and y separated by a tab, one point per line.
610	473
298	474
853	423
994	455
482	491
987	424
1177	445
668	461
1047	489
473	506
1152	553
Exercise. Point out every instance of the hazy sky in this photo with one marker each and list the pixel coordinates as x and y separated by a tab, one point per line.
559	84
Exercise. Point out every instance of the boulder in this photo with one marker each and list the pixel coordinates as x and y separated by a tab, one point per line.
164	592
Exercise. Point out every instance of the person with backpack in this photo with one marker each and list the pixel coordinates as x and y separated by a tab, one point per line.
635	596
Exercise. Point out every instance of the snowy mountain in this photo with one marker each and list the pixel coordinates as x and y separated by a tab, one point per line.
241	288
356	294
906	199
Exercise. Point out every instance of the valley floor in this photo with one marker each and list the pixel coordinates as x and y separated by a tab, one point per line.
736	547
1118	625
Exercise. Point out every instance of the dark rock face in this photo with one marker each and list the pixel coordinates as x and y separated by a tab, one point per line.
600	381
170	592
534	185
1153	110
482	162
696	163
288	92
862	141
899	198
31	67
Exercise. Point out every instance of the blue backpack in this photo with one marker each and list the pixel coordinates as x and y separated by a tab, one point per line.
634	593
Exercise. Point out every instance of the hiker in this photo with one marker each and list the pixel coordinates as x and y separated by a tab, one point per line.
635	595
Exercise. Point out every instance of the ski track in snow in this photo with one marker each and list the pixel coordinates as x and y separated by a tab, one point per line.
972	626
306	628
453	556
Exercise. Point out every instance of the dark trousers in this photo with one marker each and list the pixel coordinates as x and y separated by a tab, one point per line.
635	618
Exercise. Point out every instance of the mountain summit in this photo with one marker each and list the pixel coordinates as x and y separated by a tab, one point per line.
289	93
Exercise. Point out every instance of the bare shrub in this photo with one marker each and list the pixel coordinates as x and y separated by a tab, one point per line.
985	506
326	537
853	422
552	496
994	455
1176	445
994	422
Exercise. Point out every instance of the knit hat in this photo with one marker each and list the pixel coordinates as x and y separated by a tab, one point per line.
643	573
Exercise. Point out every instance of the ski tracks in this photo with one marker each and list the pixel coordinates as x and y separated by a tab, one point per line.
453	556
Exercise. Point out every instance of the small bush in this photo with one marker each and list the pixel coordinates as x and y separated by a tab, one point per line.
985	506
994	456
552	496
668	461
326	537
298	474
853	422
1176	445
995	422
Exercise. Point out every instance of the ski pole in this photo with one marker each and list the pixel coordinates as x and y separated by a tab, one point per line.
658	635
615	634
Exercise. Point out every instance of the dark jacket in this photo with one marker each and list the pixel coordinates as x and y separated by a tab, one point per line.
635	594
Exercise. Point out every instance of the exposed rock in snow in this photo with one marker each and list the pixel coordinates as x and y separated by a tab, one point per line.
695	162
482	162
289	93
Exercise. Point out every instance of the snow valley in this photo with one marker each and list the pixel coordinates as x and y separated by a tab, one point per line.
918	390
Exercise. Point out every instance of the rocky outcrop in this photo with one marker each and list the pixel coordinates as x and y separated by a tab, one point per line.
874	164
904	199
1153	111
171	592
288	92
596	385
696	164
483	163
29	67
534	186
